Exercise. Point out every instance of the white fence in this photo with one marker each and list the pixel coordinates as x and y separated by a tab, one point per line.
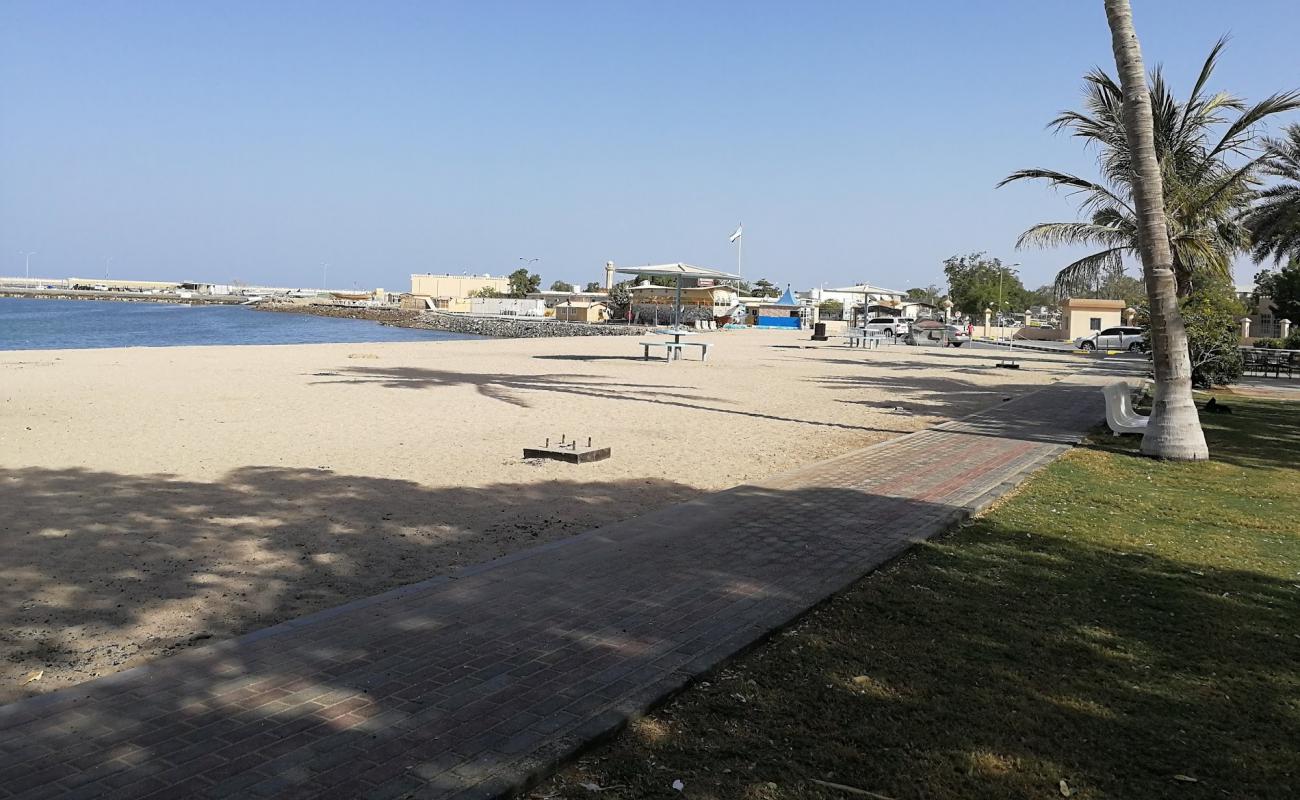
507	307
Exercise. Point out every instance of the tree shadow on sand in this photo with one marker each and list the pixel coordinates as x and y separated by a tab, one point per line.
514	389
102	570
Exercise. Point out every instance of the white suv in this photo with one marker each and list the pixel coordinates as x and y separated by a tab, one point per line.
1121	338
888	326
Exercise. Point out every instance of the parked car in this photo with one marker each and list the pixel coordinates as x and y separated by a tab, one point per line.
932	332
888	326
1122	338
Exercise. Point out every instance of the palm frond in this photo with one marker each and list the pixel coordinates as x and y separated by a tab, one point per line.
1087	270
1100	195
1057	234
1239	133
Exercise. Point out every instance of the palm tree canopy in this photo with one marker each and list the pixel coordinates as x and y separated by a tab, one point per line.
1208	147
1274	222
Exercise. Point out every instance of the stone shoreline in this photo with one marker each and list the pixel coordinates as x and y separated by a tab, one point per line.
497	327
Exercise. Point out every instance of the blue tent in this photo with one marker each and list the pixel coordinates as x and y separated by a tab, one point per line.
787	299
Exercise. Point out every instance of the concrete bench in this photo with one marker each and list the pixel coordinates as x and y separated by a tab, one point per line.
1120	415
704	349
671	350
858	340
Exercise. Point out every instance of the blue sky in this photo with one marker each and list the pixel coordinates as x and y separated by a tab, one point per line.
856	140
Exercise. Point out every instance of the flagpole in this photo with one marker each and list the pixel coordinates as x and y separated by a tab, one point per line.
740	248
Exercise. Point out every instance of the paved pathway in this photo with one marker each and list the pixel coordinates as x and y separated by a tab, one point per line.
470	685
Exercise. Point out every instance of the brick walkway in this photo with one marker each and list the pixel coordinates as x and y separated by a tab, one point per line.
473	684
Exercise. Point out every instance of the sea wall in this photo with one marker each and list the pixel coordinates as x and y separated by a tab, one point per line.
501	327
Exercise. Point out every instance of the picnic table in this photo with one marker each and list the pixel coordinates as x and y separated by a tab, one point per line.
860	337
674	348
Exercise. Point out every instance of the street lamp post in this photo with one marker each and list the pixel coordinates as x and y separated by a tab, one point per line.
1002	271
27	265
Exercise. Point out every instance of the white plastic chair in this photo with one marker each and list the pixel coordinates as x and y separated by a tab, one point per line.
1120	415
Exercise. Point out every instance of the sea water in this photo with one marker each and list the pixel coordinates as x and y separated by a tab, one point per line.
76	324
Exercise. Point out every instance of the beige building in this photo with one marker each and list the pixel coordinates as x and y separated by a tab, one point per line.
1082	316
451	292
717	296
581	311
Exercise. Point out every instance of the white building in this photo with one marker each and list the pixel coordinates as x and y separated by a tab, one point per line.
853	295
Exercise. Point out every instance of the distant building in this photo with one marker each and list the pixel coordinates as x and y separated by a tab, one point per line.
115	285
1081	316
1263	322
721	298
552	299
877	299
785	311
452	292
582	311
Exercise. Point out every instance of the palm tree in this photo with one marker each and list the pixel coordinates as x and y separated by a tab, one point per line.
1174	430
1274	223
1206	195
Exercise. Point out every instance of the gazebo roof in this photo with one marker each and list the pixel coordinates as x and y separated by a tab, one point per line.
787	299
677	271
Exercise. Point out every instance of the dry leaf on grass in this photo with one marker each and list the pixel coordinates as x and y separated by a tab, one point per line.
34	675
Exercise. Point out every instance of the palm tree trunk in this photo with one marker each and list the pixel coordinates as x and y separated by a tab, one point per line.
1174	431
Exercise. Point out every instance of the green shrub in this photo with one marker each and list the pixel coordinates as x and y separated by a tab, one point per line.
1293	340
1211	317
1267	344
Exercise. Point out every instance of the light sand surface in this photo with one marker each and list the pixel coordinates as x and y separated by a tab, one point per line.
151	499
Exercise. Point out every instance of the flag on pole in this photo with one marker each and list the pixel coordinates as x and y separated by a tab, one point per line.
737	234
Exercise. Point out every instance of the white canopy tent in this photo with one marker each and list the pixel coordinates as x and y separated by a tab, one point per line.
678	271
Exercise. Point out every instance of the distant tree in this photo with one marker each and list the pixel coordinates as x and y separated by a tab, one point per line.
930	294
1042	296
561	286
522	282
1283	288
764	288
485	292
831	309
593	286
1124	287
619	300
973	283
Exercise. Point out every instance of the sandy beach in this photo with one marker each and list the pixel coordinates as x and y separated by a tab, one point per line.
152	499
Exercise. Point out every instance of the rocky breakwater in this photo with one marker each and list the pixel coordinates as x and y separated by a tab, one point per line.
517	328
388	316
500	327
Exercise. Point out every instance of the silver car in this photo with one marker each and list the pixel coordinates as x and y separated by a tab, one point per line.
1121	338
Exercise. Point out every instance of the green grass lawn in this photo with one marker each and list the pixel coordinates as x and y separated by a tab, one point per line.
1126	626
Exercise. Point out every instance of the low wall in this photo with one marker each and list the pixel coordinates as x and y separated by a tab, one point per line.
1020	334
